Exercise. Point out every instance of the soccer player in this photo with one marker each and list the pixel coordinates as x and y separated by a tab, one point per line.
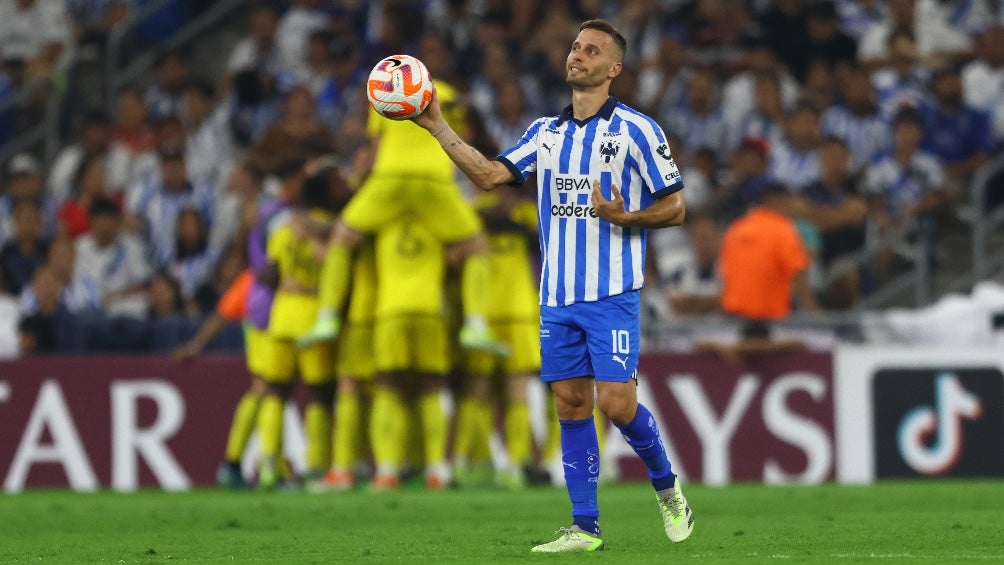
513	316
410	350
604	177
410	178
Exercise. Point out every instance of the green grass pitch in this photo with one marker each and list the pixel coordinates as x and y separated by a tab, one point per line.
908	521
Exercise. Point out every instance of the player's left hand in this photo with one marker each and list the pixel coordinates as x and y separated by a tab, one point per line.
610	210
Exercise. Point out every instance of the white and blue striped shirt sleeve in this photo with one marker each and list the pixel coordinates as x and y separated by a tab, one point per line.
656	165
521	159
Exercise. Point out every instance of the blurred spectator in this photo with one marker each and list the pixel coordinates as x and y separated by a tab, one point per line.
37	34
37	330
859	16
298	124
93	20
163	97
165	297
340	92
767	117
786	31
902	83
89	186
640	21
208	145
795	161
857	122
955	132
826	40
511	116
302	19
79	292
115	259
965	16
27	249
739	92
821	82
700	122
316	67
662	83
95	139
983	78
132	140
934	40
743	183
257	51
763	261
154	206
693	286
193	261
701	171
24	182
495	70
839	213
905	183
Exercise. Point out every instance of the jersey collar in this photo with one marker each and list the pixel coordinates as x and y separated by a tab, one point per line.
605	112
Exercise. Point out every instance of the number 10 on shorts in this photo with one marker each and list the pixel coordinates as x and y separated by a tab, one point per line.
620	341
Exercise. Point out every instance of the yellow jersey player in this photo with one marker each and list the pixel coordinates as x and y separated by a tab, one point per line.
411	178
513	316
296	258
410	349
354	369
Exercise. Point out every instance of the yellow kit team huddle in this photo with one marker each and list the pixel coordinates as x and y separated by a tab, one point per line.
398	330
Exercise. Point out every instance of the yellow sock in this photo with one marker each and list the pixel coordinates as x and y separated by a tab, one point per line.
601	428
335	277
347	428
518	437
481	432
245	418
434	428
474	285
464	424
387	427
317	425
270	426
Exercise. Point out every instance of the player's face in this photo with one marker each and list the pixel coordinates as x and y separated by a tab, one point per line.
592	61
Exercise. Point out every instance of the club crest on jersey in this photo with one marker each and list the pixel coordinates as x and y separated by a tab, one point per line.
608	150
663	151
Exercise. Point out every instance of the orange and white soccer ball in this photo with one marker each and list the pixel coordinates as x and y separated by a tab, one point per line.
399	87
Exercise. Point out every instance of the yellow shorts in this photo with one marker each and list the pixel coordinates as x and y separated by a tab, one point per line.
292	315
523	339
415	343
314	365
256	349
355	352
440	207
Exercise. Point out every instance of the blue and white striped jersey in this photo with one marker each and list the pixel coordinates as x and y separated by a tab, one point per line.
585	258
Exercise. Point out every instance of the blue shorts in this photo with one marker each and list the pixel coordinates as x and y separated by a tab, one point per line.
591	339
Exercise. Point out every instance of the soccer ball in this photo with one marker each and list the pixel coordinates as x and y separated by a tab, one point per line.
399	87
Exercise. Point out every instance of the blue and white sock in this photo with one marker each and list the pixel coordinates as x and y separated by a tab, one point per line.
642	434
580	457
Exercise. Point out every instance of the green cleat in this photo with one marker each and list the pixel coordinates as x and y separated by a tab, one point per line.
326	328
481	339
268	477
572	540
677	517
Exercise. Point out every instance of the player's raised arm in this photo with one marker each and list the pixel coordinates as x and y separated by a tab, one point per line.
483	172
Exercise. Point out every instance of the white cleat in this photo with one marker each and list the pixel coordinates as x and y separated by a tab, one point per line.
572	540
677	517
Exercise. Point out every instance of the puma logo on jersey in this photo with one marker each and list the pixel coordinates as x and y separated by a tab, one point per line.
548	147
623	362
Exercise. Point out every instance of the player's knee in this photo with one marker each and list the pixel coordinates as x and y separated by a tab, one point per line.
618	408
345	235
348	385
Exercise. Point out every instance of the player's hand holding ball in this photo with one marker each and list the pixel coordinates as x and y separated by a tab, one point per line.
400	88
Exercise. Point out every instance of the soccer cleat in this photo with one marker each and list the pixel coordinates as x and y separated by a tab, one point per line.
334	480
511	479
325	328
573	539
268	477
481	339
677	517
229	476
384	483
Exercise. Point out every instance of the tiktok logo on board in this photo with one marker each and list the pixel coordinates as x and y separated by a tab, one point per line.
943	421
939	422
